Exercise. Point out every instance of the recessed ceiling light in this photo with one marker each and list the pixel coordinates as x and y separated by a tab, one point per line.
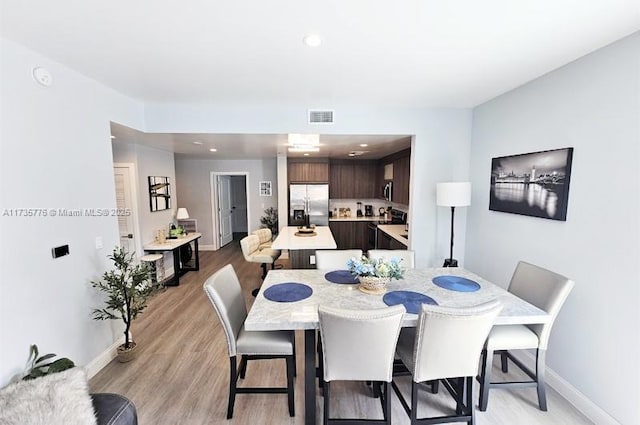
352	154
363	145
307	154
213	150
197	143
312	40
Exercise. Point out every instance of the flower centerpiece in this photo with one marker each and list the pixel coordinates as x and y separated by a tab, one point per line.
375	273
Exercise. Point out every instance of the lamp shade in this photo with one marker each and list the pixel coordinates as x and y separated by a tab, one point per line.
453	194
182	213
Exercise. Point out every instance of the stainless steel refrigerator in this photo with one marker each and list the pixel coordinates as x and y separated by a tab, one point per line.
309	204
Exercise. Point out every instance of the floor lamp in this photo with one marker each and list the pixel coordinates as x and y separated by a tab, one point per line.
453	194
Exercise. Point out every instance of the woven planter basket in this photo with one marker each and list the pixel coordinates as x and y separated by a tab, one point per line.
373	284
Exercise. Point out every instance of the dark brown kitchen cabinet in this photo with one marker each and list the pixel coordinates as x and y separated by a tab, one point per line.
385	241
308	172
394	244
352	179
401	176
365	179
341	177
350	234
401	164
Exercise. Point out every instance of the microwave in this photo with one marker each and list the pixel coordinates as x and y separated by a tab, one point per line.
386	191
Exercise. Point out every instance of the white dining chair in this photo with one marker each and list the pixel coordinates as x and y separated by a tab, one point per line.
445	347
547	291
335	259
225	294
265	236
407	257
359	345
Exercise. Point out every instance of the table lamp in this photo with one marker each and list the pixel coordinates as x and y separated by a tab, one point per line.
453	194
182	214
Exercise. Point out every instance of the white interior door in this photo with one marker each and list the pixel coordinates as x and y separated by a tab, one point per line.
225	211
124	204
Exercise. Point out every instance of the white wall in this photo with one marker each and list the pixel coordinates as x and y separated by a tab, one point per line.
194	189
440	151
55	153
592	105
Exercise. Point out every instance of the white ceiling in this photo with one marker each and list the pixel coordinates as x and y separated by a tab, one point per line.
447	53
415	53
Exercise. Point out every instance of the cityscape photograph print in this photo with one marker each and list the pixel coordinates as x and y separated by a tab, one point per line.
535	184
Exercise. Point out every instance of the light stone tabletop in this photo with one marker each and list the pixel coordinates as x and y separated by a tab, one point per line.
269	315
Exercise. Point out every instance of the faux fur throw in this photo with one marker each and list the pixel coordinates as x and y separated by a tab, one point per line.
56	399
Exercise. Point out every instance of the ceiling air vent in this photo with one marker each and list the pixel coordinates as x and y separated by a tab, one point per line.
317	116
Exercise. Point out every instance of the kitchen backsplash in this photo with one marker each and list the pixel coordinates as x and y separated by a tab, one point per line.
376	203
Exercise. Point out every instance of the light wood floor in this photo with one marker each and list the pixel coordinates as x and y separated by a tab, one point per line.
181	373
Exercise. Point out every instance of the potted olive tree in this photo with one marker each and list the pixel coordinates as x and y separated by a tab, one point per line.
127	287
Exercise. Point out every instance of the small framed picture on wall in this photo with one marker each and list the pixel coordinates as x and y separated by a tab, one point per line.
265	188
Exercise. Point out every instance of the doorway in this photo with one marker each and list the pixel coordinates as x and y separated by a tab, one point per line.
230	206
128	228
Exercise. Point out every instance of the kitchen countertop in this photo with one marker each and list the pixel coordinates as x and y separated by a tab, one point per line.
356	218
287	239
395	230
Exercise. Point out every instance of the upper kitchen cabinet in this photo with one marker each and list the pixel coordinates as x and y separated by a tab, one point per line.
397	169
308	171
352	179
401	176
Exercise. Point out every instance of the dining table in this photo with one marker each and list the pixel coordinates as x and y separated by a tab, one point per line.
289	300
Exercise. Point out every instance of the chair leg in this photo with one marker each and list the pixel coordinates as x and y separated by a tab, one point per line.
295	367
504	361
320	363
485	379
469	397
291	360
243	366
325	389
233	376
540	379
435	386
264	270
387	403
414	403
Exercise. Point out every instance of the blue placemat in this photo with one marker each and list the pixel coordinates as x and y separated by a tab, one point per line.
341	276
456	283
411	300
288	292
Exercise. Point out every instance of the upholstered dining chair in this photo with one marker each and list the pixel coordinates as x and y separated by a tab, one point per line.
547	291
335	259
224	292
359	345
446	347
407	257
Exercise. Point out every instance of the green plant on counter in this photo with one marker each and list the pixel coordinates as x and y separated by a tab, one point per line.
128	287
270	219
38	366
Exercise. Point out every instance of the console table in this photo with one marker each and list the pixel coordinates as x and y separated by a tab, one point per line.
175	245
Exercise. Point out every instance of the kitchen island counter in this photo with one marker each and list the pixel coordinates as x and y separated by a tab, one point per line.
302	248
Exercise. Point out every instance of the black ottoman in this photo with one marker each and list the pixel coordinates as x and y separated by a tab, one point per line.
114	409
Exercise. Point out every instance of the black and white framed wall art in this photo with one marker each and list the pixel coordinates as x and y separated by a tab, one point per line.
535	184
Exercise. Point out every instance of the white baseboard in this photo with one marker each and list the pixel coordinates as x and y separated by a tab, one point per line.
103	359
570	393
206	248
